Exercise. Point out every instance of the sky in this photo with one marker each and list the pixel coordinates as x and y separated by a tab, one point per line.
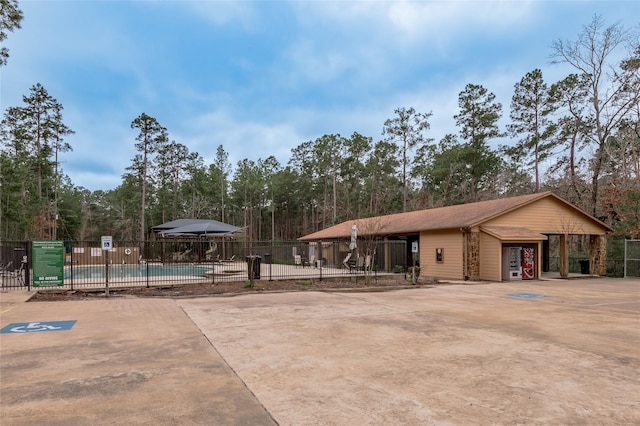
262	77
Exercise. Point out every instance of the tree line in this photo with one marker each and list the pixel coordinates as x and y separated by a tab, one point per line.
578	137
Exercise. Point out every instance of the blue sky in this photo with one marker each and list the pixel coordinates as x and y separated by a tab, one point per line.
262	77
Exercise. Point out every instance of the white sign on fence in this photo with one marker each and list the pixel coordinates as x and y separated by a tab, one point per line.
107	242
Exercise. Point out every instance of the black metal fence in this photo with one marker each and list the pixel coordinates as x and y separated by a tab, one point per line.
14	270
174	261
632	258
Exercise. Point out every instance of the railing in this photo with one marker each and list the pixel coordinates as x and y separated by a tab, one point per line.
172	261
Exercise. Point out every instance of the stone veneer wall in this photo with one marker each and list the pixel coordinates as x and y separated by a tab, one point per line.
598	255
473	256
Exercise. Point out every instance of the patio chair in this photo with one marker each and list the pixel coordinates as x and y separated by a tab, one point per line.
346	260
6	268
184	255
19	274
353	263
297	260
367	263
11	275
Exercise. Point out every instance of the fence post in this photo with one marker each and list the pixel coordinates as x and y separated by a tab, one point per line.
71	263
27	266
624	268
320	257
106	273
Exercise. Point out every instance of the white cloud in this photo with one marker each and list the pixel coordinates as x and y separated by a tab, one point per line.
224	13
428	23
242	139
313	63
103	147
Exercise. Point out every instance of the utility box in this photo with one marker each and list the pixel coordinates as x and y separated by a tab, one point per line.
584	266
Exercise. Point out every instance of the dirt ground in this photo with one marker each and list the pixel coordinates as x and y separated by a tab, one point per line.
225	289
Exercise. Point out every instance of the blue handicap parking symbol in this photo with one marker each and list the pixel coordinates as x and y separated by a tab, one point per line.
527	295
34	327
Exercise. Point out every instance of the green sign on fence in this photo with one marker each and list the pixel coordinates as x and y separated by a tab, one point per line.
48	263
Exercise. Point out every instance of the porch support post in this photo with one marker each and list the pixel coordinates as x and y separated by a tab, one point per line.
473	255
564	255
387	255
597	255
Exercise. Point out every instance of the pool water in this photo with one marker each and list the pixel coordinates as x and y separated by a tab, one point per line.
129	271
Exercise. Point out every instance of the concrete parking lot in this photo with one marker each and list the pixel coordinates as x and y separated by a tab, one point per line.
541	352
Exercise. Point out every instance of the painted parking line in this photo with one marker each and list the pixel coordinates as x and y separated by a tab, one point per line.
6	310
35	327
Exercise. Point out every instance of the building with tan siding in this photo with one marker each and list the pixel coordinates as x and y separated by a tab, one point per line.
496	240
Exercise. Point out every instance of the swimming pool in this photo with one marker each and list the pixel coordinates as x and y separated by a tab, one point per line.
136	271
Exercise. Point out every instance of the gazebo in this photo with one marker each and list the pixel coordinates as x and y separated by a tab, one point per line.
195	233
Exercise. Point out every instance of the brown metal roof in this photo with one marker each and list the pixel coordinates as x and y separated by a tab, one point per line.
459	216
508	233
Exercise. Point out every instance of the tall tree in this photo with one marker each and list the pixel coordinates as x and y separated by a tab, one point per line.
443	170
408	130
302	165
353	173
35	133
328	154
16	183
222	168
69	209
531	107
621	178
59	130
287	204
270	170
381	180
515	177
173	163
151	139
478	122
10	18
613	89
570	96
247	195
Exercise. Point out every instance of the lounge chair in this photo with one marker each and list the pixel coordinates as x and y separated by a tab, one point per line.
231	259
